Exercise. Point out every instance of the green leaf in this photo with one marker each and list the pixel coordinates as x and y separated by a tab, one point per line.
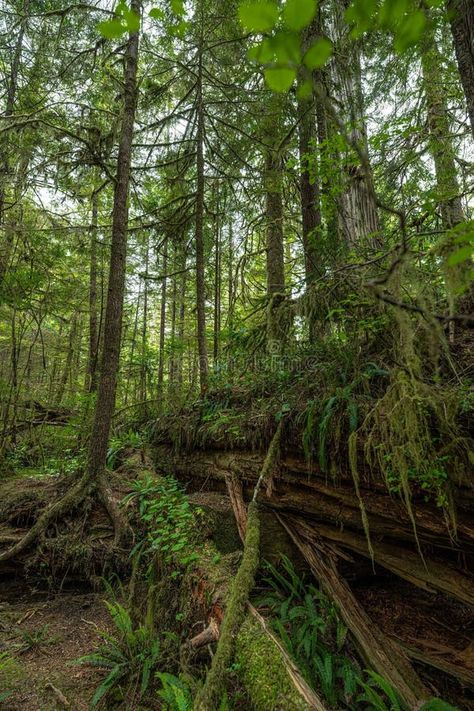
392	11
286	47
297	14
258	16
360	14
156	13
438	705
410	31
132	20
304	90
460	255
177	6
280	79
111	29
318	54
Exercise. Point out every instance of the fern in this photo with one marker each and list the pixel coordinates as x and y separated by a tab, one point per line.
130	654
174	693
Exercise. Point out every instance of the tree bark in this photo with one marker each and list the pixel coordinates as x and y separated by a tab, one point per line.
93	319
461	15
359	217
6	236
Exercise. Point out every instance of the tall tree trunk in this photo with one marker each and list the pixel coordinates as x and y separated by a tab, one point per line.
440	141
461	16
199	233
130	374
6	235
217	282
182	313
174	308
309	185
275	261
164	283
143	359
113	315
359	216
443	152
93	318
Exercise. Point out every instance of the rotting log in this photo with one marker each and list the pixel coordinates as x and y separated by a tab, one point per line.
332	508
377	650
432	576
298	488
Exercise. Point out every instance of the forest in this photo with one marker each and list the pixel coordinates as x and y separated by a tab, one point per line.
237	355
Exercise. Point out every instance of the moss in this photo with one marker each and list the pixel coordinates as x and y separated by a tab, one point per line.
12	673
263	673
214	686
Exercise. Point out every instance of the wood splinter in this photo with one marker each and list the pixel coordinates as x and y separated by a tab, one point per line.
207	636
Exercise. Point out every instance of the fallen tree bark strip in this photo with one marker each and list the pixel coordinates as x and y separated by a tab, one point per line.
404	563
376	649
234	487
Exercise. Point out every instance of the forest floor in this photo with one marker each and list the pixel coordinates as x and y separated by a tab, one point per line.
43	633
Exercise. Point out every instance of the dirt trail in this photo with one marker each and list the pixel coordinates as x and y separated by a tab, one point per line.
43	633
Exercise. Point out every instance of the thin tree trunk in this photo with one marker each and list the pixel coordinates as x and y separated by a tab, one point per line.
199	234
66	374
461	15
93	319
275	261
143	359
113	316
174	308
5	239
161	361
217	283
182	306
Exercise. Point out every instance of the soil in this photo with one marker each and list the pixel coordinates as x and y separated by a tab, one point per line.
67	624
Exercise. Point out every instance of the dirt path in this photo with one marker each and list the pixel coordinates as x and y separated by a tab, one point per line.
43	633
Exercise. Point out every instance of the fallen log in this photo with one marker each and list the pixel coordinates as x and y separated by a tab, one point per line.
299	489
432	576
377	650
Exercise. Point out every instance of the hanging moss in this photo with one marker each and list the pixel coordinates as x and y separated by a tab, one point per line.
408	436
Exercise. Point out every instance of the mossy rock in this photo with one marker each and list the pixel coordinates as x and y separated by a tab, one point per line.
262	672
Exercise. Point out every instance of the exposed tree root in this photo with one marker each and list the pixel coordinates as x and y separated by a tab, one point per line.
122	529
70	500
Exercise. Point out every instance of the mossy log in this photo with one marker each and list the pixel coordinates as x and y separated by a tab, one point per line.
378	651
270	677
209	696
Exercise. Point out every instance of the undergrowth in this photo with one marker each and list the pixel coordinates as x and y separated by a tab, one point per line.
309	626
